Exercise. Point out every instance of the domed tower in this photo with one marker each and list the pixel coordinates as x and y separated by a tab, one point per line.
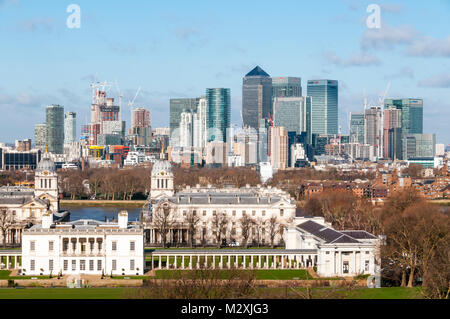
161	179
46	182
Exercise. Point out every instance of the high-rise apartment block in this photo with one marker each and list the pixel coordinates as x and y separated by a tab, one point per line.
40	136
55	128
219	113
70	127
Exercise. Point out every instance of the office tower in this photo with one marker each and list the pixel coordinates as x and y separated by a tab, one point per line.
23	146
186	130
357	128
219	113
286	87
141	130
200	123
70	127
40	136
373	129
278	146
324	106
419	146
392	133
440	149
55	128
178	106
412	114
256	97
262	146
289	112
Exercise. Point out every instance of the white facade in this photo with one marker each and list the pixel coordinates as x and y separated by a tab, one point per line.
83	247
339	253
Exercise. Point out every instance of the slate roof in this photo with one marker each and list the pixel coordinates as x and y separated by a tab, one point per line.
332	236
224	199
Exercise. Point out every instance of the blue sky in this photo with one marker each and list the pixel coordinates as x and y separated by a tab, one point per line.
179	48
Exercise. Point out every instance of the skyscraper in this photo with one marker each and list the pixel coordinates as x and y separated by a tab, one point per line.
40	136
412	114
278	146
200	123
289	112
392	133
357	128
324	106
219	113
373	129
256	97
178	106
70	127
141	130
55	128
286	87
419	146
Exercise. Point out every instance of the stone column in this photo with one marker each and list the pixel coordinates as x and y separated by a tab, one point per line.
252	262
340	263
167	262
159	262
190	261
266	262
221	262
355	271
361	264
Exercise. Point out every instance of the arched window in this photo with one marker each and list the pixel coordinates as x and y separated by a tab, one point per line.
49	183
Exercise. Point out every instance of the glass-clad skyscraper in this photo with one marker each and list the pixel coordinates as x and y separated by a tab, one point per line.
219	113
412	114
256	97
289	112
286	87
357	128
178	106
55	128
324	106
70	127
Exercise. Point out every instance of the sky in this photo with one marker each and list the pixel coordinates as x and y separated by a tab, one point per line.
176	49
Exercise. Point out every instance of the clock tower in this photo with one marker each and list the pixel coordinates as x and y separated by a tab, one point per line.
161	179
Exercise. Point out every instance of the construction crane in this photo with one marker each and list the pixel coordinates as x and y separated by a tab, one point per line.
131	103
381	98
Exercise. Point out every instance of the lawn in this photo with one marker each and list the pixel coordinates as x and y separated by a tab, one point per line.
61	293
260	274
4	274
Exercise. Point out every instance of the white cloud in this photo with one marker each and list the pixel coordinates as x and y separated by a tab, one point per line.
357	59
437	81
387	37
429	46
404	72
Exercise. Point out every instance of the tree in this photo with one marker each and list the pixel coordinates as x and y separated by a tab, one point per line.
257	229
6	222
163	220
272	225
414	170
219	223
192	221
246	224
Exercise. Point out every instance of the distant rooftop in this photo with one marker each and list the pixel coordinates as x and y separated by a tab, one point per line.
257	71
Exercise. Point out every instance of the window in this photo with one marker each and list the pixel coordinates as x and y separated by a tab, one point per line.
264	213
32	245
194	213
132	245
49	183
204	213
184	213
114	264
244	213
82	264
281	212
65	245
66	265
91	245
74	265
345	267
32	265
114	245
366	265
214	213
91	265
234	213
132	264
99	265
327	252
367	252
50	245
99	243
50	264
253	212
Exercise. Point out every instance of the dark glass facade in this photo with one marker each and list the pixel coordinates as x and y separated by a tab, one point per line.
412	114
218	114
256	97
178	106
286	87
357	128
55	128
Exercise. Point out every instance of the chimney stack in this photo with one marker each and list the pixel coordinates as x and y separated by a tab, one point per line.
123	219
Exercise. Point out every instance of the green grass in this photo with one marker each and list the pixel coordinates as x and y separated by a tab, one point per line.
62	293
260	274
5	275
384	293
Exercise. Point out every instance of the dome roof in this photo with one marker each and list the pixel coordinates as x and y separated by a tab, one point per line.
46	164
161	165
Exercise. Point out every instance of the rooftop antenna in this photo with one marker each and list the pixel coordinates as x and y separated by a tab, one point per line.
365	99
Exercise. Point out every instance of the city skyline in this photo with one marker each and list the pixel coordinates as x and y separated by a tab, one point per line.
342	48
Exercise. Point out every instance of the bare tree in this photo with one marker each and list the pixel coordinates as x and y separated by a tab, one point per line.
272	225
257	230
192	221
246	224
219	223
6	222
164	220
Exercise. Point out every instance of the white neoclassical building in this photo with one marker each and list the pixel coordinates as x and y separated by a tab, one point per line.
83	247
338	253
26	206
258	203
